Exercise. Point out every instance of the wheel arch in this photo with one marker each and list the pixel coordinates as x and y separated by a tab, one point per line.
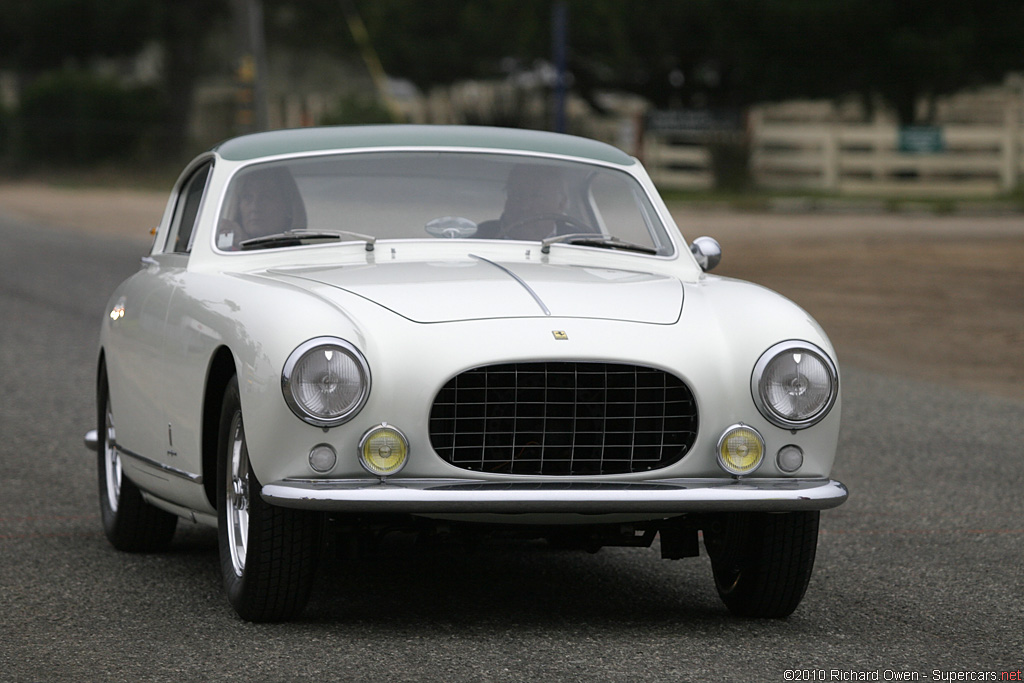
101	365
101	378
222	368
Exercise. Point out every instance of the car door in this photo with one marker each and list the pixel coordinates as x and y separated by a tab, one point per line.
143	376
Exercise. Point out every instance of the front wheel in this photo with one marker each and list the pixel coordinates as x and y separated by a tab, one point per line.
762	562
129	522
268	554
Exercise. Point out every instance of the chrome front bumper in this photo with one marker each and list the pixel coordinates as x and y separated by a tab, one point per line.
668	496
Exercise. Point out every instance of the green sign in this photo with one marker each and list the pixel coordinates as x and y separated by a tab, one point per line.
922	140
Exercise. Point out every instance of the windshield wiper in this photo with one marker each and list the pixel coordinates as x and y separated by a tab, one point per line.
588	239
298	236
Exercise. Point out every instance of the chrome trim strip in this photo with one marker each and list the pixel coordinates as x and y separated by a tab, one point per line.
669	496
522	283
194	516
143	460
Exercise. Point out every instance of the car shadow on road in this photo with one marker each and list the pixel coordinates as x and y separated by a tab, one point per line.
510	582
406	585
407	582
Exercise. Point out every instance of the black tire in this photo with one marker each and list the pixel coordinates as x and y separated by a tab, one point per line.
130	523
268	554
762	562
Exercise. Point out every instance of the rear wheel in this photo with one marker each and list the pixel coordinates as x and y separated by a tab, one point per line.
762	562
268	554
130	523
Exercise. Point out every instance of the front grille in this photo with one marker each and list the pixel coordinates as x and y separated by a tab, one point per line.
563	418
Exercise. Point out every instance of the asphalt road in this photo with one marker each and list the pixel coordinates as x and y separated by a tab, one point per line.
919	575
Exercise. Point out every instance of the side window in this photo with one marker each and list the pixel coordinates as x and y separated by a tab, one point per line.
179	239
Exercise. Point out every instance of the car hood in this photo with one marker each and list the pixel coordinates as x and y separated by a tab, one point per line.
477	289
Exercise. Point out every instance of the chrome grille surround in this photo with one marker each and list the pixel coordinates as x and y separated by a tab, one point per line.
563	419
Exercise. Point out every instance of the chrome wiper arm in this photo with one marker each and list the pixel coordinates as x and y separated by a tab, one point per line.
278	238
588	239
545	244
300	234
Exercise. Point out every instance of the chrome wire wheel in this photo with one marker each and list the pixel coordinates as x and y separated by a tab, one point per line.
237	496
268	554
112	461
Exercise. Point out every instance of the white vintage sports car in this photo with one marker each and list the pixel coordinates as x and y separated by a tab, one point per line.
455	328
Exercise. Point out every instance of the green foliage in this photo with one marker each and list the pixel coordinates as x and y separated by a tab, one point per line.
899	50
72	117
5	133
689	53
46	34
714	52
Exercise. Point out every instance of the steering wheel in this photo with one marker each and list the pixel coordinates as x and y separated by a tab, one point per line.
557	218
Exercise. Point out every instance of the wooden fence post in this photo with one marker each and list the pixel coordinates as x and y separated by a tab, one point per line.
1010	174
830	157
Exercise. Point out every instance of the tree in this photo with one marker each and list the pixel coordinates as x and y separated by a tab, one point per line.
182	28
716	52
901	51
62	37
39	35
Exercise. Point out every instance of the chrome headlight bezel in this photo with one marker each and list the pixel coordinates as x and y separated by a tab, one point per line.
758	385
288	383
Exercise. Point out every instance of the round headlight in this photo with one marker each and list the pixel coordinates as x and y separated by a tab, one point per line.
325	381
794	384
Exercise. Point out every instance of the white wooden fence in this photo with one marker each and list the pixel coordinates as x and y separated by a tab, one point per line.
852	158
866	158
677	162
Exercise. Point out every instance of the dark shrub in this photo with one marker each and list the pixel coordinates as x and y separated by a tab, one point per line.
730	163
71	117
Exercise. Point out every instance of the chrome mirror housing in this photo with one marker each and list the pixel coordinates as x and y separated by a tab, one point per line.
707	251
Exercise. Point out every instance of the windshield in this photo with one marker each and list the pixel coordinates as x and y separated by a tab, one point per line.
437	195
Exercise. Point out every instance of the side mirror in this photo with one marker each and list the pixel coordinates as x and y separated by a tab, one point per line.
707	251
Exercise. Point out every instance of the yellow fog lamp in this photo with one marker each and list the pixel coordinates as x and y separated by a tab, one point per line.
740	450
383	450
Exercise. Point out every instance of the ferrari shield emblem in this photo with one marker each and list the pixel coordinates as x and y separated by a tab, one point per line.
560	335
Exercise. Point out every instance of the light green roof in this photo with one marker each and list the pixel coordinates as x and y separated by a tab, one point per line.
300	140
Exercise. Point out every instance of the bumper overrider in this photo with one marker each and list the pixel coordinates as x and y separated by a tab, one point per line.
669	496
